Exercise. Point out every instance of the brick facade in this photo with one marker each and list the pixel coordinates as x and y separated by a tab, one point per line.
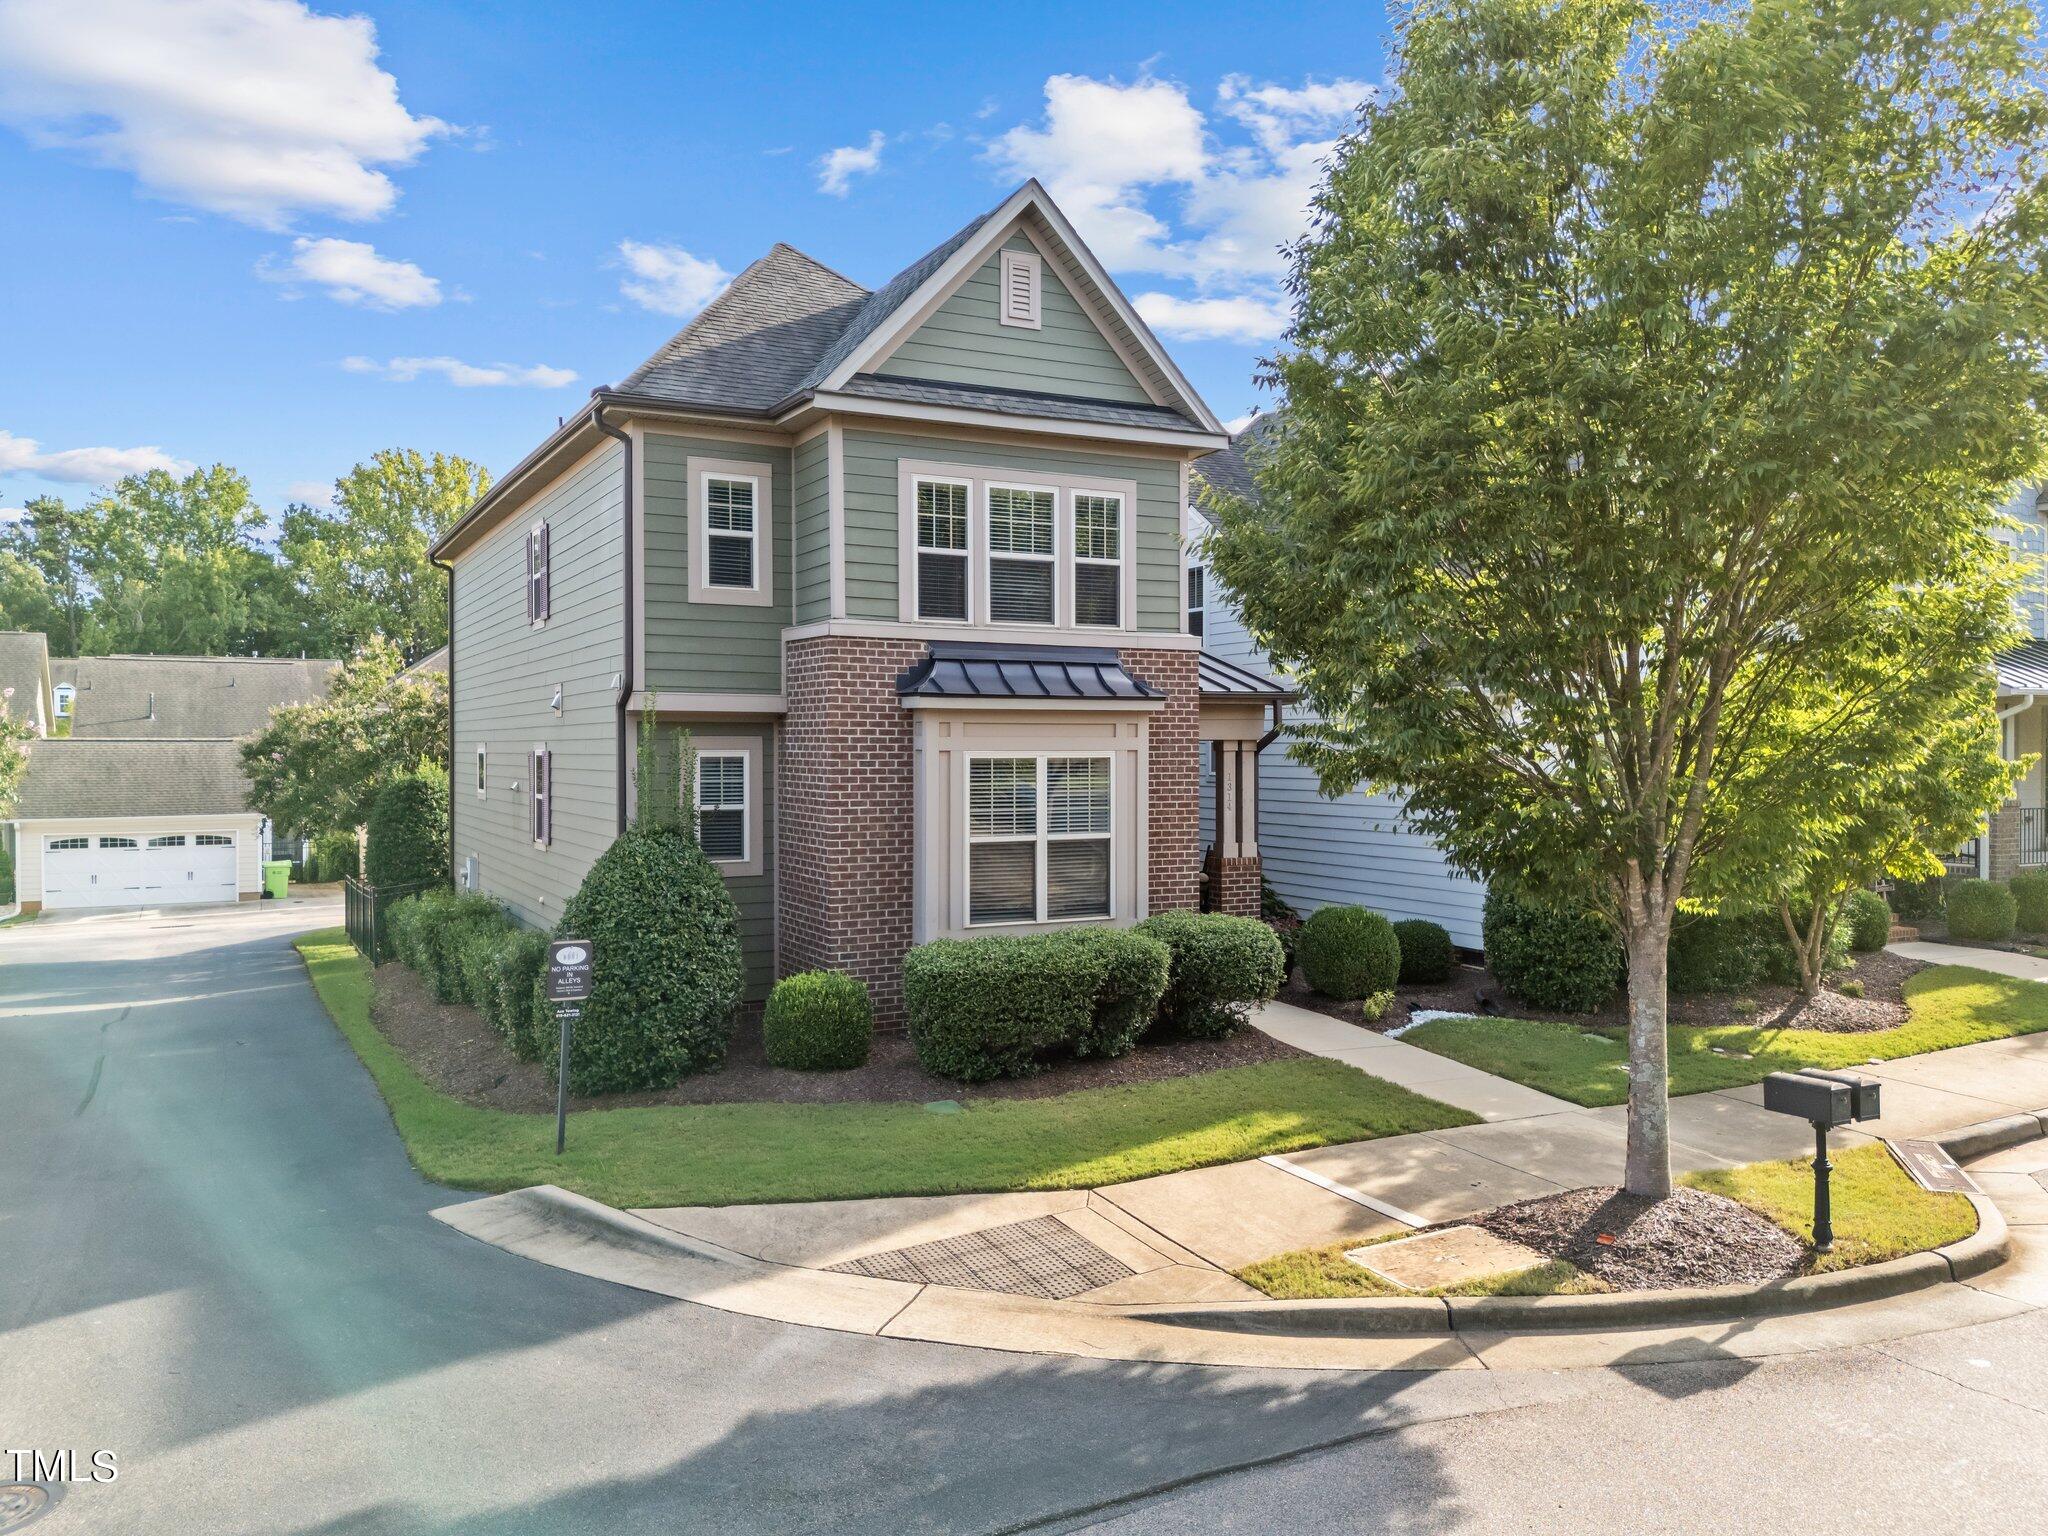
846	811
2005	841
1234	885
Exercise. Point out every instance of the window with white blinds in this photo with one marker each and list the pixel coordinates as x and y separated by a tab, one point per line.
943	554
722	806
1021	558
731	530
1039	835
1098	558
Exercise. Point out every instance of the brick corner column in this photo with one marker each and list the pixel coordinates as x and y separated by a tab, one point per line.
2005	841
1173	874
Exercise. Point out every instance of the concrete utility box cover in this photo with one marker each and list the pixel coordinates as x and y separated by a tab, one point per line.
1450	1257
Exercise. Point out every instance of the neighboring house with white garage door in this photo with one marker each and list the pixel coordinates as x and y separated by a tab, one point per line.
145	804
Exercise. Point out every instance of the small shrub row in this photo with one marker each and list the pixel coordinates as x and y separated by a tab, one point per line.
818	1021
2030	901
1356	955
468	951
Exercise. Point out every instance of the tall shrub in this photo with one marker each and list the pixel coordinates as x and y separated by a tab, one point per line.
408	842
1550	956
1221	966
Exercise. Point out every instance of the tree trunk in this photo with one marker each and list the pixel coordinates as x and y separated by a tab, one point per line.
1649	1060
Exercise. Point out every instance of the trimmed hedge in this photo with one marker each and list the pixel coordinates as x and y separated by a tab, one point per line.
408	831
1550	957
2030	901
1722	952
468	950
818	1021
999	1006
1981	912
1917	900
335	856
1349	953
1427	954
1221	966
521	1016
6	876
1869	920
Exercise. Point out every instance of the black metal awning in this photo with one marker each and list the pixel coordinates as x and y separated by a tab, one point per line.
1222	679
1059	674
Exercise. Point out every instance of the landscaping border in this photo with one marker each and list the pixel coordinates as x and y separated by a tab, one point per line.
1986	1248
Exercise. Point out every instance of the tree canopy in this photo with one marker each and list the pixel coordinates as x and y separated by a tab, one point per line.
1647	378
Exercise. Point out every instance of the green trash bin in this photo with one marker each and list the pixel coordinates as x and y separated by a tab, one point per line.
277	876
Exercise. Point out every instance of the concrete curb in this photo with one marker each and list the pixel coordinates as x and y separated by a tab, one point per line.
1986	1248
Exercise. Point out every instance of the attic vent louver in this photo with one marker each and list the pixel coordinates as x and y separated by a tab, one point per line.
1020	282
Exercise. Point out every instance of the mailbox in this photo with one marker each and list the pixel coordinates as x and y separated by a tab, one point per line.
1818	1099
1864	1089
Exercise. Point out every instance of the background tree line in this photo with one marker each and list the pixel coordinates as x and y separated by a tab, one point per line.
185	566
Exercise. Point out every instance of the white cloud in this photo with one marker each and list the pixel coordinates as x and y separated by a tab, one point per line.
1237	424
353	273
83	466
1241	317
314	493
837	169
668	279
403	370
257	109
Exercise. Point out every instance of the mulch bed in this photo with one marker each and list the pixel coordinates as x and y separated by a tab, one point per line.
1688	1238
1473	990
452	1047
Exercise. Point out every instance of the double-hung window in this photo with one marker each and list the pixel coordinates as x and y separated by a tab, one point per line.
1195	607
1038	838
1098	558
722	806
732	525
543	796
539	554
942	549
1021	559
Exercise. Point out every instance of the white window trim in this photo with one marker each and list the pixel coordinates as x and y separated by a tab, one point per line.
60	698
1055	566
1040	839
700	472
482	771
920	548
1077	560
540	795
747	748
1030	318
981	477
746	801
540	575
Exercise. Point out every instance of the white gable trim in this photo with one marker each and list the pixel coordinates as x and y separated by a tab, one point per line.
1095	285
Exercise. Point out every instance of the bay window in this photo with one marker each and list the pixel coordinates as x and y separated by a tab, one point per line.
1039	832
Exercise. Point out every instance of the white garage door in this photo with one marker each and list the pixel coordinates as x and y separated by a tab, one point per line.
139	870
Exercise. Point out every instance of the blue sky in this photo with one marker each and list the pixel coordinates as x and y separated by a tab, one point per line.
282	236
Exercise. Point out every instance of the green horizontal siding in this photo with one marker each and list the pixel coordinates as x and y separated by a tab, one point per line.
708	647
812	578
964	342
754	894
871	547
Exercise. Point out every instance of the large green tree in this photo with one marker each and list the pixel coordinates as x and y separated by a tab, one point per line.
1639	370
318	767
43	584
363	565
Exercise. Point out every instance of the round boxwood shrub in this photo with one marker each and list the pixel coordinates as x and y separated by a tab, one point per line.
1869	920
1723	952
1549	956
1916	901
818	1021
1127	974
2030	901
408	842
1427	954
1221	966
1980	912
1348	953
995	1006
667	978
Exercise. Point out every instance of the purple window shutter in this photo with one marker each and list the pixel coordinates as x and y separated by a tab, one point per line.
547	572
547	796
530	614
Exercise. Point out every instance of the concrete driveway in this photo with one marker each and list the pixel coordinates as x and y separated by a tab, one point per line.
216	1263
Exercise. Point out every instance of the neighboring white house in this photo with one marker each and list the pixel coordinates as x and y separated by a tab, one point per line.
144	804
1359	848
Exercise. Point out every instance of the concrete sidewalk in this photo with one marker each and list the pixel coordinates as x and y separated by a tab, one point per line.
2002	961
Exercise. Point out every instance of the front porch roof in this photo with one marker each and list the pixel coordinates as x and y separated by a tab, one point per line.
1222	679
2023	669
1057	674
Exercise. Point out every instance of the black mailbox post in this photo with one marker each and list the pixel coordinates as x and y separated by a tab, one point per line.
1824	1100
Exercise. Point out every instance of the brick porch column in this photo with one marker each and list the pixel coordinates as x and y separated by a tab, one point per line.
1233	864
2005	841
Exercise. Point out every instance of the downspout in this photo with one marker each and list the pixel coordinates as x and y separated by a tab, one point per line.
626	646
450	569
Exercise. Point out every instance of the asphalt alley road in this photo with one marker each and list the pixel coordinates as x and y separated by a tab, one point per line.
216	1263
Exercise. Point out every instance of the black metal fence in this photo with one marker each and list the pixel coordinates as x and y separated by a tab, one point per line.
364	910
2033	850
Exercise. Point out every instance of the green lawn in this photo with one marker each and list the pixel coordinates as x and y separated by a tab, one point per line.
724	1154
1880	1213
1950	1005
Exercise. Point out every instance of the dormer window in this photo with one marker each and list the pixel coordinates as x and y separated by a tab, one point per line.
1020	278
63	693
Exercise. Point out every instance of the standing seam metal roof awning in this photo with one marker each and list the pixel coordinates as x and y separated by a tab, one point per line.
1058	674
2024	668
1222	679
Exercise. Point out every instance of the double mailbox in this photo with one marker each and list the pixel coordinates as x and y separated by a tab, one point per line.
1824	1098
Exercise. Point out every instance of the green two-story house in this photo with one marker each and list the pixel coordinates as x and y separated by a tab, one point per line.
908	565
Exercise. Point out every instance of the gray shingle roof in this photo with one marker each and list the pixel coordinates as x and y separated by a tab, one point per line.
68	778
1016	402
189	697
1057	673
753	345
25	667
433	661
1222	679
1227	470
2024	668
